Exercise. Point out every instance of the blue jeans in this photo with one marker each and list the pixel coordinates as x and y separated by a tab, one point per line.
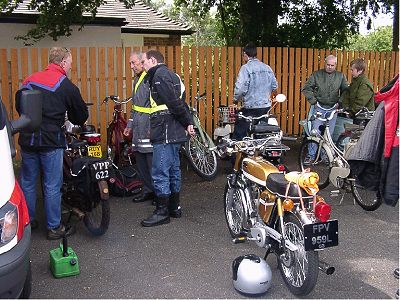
312	149
51	165
165	171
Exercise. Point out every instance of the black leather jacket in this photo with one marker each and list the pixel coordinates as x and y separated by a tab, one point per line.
168	126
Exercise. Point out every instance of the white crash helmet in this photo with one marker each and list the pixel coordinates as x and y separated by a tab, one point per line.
251	274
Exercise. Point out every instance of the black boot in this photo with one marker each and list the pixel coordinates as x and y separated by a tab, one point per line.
174	208
160	215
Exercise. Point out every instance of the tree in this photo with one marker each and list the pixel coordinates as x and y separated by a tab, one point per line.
379	40
57	16
295	23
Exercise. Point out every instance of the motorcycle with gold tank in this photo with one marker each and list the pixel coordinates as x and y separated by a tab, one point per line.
281	212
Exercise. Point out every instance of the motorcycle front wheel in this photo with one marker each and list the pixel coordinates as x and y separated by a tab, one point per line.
320	164
97	219
234	207
299	268
201	158
368	200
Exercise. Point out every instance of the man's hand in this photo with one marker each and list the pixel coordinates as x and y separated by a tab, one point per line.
273	95
190	130
127	131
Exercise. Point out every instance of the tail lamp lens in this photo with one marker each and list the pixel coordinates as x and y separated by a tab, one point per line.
8	223
94	140
323	211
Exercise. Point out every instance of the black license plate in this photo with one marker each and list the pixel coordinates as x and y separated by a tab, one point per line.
319	236
100	170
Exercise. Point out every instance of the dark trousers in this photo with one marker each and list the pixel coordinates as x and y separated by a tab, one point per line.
143	165
242	126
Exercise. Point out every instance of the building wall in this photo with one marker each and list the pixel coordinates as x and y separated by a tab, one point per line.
90	36
171	40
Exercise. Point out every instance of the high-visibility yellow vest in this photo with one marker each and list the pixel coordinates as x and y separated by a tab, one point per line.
154	107
142	109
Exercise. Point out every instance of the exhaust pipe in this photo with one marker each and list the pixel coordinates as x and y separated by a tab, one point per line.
326	268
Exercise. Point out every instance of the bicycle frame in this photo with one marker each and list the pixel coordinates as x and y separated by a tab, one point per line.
333	152
203	135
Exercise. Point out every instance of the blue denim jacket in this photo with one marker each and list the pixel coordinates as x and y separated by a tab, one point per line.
254	84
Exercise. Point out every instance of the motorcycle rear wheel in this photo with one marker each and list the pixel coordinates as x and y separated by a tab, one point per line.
368	200
201	158
97	219
234	208
320	165
299	269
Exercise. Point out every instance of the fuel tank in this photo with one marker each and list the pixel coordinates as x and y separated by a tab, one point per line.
257	169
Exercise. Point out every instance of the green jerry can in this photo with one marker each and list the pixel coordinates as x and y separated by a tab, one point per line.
64	261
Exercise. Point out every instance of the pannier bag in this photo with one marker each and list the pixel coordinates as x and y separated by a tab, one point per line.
125	182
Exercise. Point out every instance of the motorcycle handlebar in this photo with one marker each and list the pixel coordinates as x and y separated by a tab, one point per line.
250	118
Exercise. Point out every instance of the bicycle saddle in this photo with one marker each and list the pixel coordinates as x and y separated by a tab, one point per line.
264	128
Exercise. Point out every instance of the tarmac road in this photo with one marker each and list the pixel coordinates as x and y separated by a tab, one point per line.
191	257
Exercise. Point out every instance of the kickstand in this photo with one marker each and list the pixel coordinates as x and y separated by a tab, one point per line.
267	253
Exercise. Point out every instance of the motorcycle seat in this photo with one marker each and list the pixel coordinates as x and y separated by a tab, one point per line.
277	183
264	128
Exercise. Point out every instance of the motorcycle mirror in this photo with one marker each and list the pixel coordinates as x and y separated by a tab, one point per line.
280	98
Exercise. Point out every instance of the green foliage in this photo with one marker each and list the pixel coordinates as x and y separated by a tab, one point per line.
57	16
379	40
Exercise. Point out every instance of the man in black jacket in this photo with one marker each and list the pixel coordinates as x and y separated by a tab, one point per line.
42	150
168	121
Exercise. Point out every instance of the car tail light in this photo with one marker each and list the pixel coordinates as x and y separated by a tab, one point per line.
323	211
22	215
281	168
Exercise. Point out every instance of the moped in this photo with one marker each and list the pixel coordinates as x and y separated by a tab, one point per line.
282	213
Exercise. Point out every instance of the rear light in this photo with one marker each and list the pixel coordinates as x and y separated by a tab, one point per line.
18	199
93	140
323	211
281	168
14	217
288	205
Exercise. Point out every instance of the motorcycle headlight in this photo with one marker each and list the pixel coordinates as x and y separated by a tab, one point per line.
8	223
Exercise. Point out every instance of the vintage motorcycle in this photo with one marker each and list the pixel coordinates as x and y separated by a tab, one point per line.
282	213
85	192
260	127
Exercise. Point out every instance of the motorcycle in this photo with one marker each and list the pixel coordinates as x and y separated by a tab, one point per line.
85	192
261	127
282	213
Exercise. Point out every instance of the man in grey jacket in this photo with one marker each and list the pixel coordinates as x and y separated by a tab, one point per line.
255	85
139	125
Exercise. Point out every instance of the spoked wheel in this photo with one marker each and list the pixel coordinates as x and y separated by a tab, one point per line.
299	268
318	163
235	215
201	158
98	218
368	200
118	149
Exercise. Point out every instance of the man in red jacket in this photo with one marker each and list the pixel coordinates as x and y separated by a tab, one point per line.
42	150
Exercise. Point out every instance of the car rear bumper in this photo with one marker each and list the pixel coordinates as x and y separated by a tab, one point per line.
14	266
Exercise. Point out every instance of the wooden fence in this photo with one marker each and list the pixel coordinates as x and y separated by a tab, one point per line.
105	71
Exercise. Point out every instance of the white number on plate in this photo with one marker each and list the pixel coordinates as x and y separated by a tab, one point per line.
102	174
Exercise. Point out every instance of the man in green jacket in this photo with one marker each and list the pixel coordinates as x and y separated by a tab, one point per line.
360	93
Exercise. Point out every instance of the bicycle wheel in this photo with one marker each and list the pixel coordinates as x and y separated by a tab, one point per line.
368	200
299	269
201	158
112	148
97	219
320	164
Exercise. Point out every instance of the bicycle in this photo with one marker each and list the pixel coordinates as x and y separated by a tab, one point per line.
331	165
118	145
200	149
